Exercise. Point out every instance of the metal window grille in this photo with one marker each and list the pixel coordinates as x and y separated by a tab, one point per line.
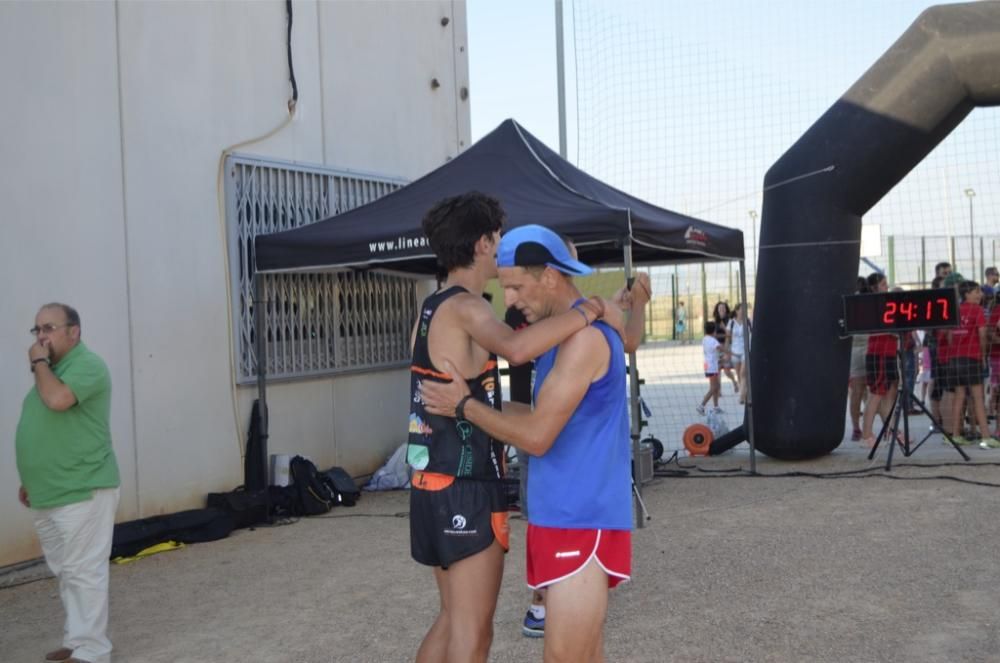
316	323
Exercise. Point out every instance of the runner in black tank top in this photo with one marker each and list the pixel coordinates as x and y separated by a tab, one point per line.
458	504
443	445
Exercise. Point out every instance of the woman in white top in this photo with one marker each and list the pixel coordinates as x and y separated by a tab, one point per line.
734	344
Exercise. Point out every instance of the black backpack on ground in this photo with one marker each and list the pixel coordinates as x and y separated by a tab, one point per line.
193	526
314	494
247	507
345	492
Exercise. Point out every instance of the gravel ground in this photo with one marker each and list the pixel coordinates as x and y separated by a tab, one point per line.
730	568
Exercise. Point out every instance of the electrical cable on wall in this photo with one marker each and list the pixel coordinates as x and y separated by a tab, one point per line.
291	68
220	199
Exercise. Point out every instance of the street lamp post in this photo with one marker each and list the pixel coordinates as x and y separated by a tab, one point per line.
753	221
971	193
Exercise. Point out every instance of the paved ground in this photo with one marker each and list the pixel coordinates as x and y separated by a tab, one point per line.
729	569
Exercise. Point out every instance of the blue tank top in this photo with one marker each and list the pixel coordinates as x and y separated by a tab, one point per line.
584	480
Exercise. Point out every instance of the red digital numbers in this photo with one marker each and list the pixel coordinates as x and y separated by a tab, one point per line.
899	311
889	316
910	311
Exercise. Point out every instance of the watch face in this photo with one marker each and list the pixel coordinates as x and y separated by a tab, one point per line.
890	312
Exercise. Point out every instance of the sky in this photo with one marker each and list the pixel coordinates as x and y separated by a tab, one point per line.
512	66
687	104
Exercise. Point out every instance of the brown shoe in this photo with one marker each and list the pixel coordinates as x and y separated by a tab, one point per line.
61	654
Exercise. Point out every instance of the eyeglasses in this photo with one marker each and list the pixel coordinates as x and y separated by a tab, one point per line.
47	328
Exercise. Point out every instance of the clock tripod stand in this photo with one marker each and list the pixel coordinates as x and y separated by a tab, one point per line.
904	401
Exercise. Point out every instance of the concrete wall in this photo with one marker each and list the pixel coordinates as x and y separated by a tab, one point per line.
116	116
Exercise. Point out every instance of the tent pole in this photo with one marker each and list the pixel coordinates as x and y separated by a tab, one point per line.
561	78
746	362
633	380
260	349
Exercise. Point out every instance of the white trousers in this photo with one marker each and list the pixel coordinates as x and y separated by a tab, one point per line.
76	541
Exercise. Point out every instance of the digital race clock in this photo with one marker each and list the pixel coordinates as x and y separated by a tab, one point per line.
890	312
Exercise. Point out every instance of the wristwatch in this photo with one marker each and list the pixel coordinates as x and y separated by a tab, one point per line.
47	361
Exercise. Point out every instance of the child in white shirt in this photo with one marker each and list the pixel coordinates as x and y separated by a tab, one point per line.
712	349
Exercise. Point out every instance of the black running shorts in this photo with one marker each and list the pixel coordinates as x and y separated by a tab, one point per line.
965	372
880	373
451	519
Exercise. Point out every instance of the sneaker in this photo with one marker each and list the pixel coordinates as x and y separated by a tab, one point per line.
960	441
533	628
990	443
856	435
718	410
700	409
868	442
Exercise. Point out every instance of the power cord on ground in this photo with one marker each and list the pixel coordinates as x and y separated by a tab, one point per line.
687	472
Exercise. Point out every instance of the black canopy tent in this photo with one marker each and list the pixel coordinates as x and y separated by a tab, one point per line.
534	185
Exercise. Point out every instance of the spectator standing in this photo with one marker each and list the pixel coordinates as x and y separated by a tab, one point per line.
69	476
711	350
939	388
881	371
680	315
856	381
966	362
991	277
735	341
721	315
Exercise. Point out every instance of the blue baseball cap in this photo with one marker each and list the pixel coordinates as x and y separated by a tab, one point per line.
533	246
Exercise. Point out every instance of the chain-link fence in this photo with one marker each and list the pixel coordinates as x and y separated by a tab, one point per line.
908	260
671	360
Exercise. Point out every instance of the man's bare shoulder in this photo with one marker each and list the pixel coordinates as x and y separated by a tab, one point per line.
466	305
588	342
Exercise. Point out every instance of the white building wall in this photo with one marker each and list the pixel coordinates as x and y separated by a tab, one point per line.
62	234
116	116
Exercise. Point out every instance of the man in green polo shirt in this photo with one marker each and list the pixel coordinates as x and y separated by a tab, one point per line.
69	476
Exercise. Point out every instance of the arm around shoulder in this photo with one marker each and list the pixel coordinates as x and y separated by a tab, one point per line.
581	360
525	345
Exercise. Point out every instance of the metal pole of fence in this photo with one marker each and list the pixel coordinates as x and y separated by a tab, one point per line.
649	318
892	259
729	267
972	233
746	363
951	251
633	384
704	296
673	303
982	262
923	261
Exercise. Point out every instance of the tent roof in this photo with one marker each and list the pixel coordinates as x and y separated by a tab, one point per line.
534	185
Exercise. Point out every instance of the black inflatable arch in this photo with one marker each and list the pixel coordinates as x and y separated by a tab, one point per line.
943	66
